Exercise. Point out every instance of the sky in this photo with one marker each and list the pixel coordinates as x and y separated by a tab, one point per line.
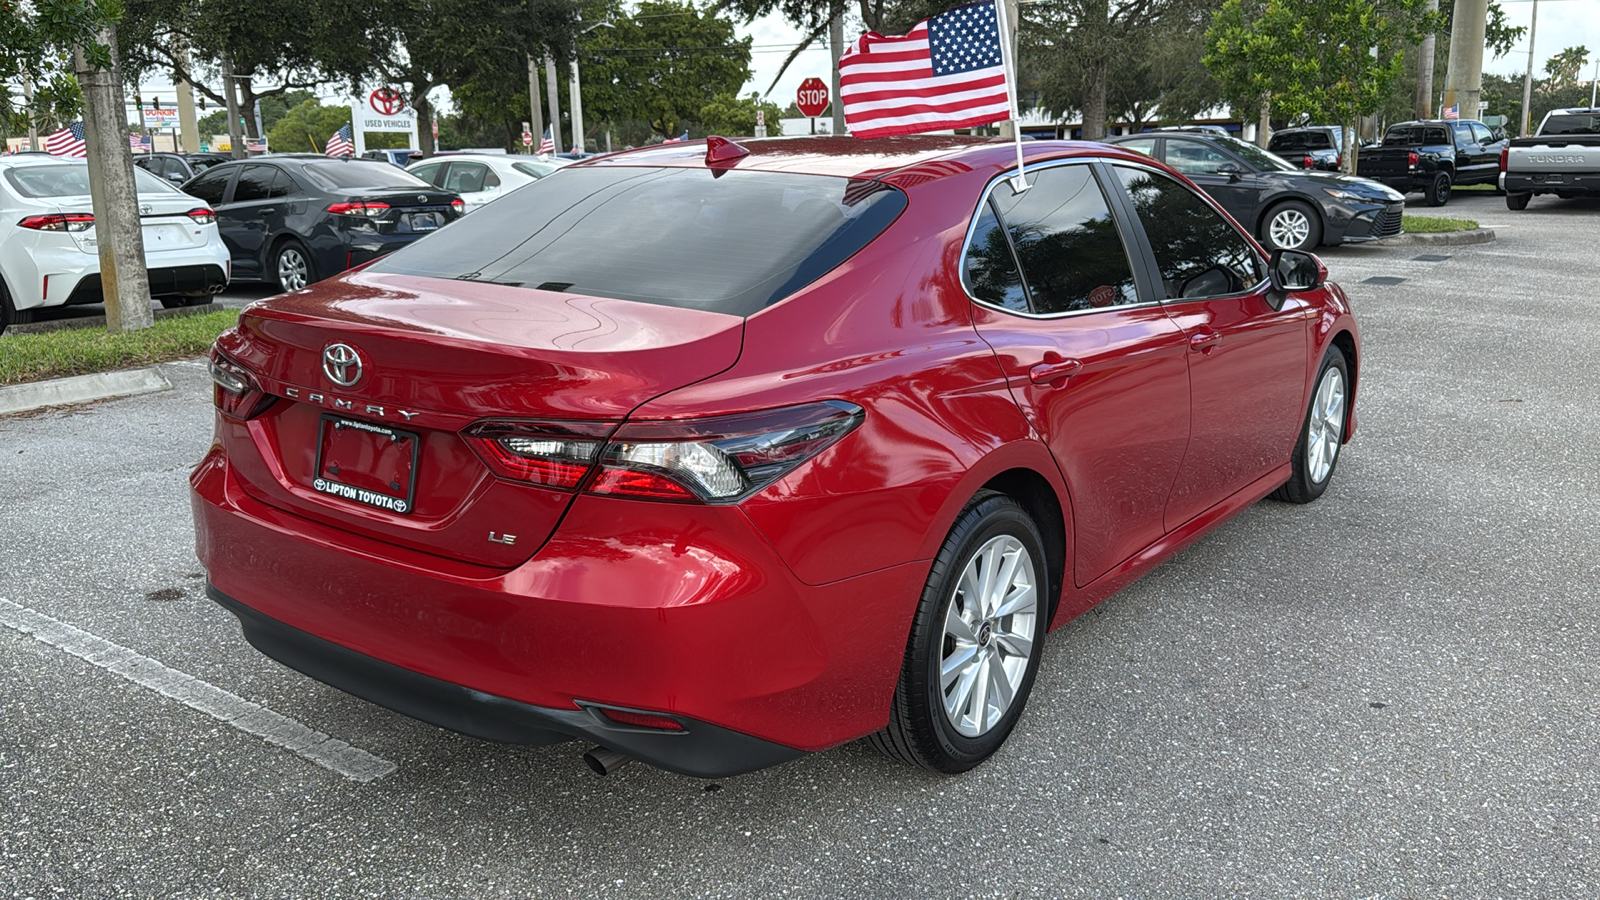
772	38
1562	24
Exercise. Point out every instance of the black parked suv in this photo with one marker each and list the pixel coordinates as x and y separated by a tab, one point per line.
1433	156
299	218
1286	206
178	167
1311	147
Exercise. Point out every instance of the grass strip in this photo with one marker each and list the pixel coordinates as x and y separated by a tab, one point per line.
1435	225
80	351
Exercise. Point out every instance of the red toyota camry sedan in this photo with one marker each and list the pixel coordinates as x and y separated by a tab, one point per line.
714	454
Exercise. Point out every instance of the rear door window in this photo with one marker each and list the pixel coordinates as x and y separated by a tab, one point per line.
726	241
210	186
255	183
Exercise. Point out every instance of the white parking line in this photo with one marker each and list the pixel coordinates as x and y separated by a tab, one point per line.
252	718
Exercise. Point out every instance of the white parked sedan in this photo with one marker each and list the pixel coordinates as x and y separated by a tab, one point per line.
482	177
49	255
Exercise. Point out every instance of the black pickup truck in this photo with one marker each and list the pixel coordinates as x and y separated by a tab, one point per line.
1432	156
1563	158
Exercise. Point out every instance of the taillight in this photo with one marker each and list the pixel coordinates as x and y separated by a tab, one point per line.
370	208
59	222
1412	158
1307	163
1504	151
202	215
715	460
1338	161
549	454
458	204
236	392
718	460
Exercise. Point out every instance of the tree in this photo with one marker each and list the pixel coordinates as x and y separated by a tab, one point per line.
1329	59
732	116
1564	67
36	42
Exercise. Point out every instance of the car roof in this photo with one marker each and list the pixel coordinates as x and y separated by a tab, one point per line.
40	159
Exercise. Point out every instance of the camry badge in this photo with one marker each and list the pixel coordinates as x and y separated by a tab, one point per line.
342	364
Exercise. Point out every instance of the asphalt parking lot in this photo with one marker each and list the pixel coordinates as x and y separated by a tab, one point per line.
1387	693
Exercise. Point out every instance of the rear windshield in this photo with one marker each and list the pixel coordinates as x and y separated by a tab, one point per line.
200	165
334	175
1412	136
67	180
728	241
1571	124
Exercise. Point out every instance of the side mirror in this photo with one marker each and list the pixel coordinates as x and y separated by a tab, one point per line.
176	177
1296	270
1232	171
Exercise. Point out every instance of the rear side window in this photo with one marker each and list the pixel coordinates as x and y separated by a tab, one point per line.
210	186
1067	244
727	241
1198	252
991	272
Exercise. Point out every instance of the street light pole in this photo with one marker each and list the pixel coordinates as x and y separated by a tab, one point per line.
555	104
1527	79
578	142
535	117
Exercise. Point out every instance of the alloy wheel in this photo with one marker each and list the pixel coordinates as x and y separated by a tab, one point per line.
988	635
1289	229
1325	426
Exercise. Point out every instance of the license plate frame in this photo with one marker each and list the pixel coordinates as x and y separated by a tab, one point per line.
331	426
424	221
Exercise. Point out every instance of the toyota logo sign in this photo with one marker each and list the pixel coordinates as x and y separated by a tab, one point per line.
342	364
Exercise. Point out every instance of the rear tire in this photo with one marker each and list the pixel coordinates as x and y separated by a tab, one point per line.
292	268
1438	193
975	641
1316	453
9	314
1518	201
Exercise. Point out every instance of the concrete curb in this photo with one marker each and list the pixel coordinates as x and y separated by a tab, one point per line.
81	389
1447	239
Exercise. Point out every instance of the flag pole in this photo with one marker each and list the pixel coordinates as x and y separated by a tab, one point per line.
1018	182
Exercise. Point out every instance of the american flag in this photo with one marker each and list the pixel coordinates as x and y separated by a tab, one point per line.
339	144
948	72
255	145
547	144
1452	112
139	142
67	142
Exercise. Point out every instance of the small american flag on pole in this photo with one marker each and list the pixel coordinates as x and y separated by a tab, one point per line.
67	142
138	142
948	72
1452	112
339	144
547	144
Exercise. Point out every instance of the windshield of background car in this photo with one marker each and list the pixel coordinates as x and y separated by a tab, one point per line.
67	180
1256	156
352	175
725	241
1571	124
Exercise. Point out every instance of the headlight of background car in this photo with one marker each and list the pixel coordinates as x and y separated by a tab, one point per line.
1346	195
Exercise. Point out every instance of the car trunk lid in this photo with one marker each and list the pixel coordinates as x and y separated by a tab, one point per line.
435	357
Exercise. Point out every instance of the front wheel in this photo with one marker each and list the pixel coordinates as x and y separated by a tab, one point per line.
975	641
1292	225
1316	453
1438	193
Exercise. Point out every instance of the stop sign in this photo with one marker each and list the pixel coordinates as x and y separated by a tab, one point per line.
527	139
812	98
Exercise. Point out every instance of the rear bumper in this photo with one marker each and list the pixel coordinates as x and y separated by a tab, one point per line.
165	282
1576	183
667	608
700	749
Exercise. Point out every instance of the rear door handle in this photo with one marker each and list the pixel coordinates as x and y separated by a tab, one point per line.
1046	372
1204	341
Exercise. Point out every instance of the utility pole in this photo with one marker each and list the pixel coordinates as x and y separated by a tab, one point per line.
188	126
1527	79
1425	64
113	193
836	46
555	104
235	127
577	107
1463	80
535	117
33	127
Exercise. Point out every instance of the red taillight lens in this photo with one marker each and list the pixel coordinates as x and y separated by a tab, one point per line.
1412	158
549	454
458	204
236	392
1338	161
1504	152
1307	162
369	208
59	222
719	460
202	215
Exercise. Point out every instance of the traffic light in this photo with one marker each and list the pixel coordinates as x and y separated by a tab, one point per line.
155	102
202	102
138	103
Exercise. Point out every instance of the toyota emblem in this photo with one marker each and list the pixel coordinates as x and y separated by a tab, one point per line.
342	364
422	198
